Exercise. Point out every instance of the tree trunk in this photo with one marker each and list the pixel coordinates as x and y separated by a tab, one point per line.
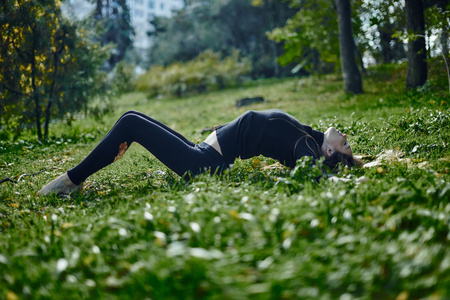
51	93
360	59
350	71
37	108
316	61
276	66
444	42
48	110
47	119
98	14
444	35
417	52
273	45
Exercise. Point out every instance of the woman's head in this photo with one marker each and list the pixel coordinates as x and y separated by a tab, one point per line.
333	141
337	150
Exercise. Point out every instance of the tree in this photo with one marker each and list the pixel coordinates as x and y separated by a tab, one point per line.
437	14
114	18
350	71
417	53
48	66
444	7
386	19
221	26
310	37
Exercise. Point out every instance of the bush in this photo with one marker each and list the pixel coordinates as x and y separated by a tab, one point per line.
49	67
123	78
207	72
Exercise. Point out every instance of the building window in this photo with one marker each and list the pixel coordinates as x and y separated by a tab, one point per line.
151	4
162	6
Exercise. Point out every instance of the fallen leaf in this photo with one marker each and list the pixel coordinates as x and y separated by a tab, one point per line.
386	155
256	162
11	296
424	165
234	213
122	149
402	296
446	158
67	225
160	238
275	166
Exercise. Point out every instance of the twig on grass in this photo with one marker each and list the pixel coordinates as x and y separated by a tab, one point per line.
8	179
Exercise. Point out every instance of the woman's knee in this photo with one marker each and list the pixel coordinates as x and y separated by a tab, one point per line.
130	112
129	118
130	115
127	127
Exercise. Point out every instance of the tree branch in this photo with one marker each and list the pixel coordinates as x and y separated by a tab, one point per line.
13	91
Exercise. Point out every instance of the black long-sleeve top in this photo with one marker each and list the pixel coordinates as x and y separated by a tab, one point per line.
272	133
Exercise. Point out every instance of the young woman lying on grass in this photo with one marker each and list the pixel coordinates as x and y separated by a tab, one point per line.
272	133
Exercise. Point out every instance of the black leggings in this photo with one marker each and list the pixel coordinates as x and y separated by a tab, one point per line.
171	148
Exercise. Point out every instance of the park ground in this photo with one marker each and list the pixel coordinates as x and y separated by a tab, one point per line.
137	231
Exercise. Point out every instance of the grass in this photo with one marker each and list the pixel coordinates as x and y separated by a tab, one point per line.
138	231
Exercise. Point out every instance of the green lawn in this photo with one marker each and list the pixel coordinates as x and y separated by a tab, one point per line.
137	231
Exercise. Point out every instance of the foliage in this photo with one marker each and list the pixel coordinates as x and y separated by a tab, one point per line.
48	66
384	19
207	72
310	37
123	78
138	231
437	17
348	50
221	26
113	17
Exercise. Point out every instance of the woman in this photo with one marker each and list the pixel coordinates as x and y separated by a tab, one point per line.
272	133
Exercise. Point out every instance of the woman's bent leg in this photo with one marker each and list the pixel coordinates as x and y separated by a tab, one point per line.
134	112
171	148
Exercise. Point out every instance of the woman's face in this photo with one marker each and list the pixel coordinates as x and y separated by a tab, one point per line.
337	141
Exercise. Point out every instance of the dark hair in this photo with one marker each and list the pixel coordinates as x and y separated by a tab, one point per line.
339	158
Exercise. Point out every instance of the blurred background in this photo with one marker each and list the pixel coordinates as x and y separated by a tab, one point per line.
64	57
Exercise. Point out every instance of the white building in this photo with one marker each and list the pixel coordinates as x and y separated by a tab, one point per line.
79	9
141	12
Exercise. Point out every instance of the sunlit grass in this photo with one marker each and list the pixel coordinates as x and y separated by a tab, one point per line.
139	231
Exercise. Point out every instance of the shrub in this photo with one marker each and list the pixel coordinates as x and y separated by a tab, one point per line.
123	78
49	67
207	72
